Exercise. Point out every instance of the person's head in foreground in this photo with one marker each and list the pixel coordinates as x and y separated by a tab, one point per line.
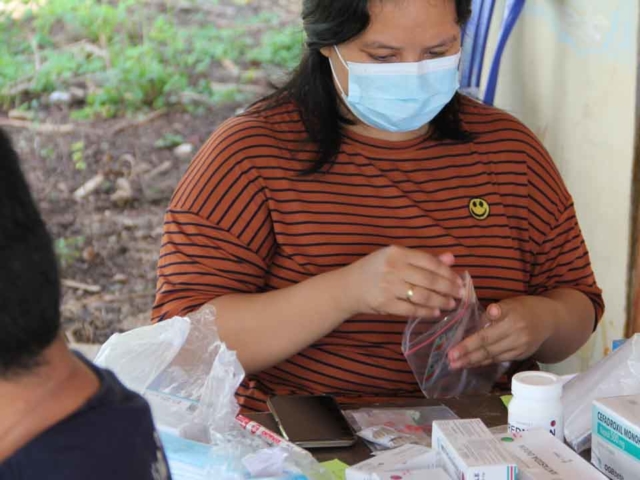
60	417
29	284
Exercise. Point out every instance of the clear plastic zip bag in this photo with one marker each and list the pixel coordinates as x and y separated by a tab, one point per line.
426	343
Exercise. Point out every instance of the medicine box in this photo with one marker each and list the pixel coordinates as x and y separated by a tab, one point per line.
615	438
470	451
541	456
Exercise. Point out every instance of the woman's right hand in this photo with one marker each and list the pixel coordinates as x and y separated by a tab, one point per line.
405	282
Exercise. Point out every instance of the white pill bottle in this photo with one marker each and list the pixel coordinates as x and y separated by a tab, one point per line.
536	403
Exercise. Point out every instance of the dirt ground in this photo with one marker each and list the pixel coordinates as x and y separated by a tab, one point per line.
108	242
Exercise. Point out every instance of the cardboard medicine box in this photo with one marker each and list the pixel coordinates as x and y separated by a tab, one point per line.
541	456
615	437
470	452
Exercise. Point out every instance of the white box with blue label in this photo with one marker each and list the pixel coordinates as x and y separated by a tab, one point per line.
469	451
615	437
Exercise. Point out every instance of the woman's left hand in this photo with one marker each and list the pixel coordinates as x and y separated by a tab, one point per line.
518	328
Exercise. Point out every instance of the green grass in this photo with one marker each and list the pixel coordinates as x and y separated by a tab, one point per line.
280	47
169	140
132	58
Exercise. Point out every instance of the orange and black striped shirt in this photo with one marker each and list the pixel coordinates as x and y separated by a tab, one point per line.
243	219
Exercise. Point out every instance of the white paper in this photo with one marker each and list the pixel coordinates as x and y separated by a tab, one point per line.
428	474
402	459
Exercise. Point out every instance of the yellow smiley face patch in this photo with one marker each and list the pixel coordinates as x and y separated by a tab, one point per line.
479	208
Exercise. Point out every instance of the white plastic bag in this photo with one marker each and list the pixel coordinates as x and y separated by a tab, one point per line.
159	342
189	378
615	375
185	372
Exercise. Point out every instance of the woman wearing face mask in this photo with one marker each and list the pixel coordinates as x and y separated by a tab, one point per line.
355	196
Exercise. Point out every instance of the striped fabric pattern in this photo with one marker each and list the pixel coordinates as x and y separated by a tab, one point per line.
243	219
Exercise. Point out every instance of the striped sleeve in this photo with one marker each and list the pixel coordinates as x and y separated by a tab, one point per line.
563	262
218	237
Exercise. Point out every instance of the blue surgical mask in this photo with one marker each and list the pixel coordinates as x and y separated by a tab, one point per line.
400	97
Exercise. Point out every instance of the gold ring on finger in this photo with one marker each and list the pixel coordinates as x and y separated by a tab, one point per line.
410	293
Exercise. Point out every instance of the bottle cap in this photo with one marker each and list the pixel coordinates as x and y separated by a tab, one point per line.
536	385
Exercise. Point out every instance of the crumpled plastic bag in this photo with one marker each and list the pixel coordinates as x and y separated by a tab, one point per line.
185	372
189	377
426	343
161	342
617	374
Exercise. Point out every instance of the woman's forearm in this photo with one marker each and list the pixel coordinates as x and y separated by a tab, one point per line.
267	328
571	316
548	327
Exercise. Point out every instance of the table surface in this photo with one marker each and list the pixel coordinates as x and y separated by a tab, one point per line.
488	408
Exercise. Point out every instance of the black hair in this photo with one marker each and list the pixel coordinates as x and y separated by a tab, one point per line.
311	87
29	283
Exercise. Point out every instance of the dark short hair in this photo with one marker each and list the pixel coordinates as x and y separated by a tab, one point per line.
311	87
29	283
